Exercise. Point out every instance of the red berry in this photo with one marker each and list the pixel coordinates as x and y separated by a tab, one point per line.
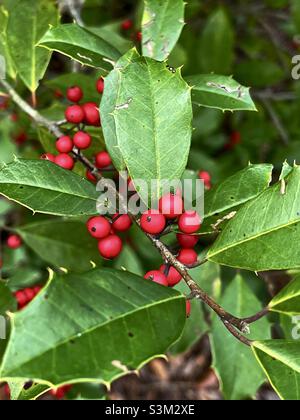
121	223
65	161
91	114
74	114
188	308
14	117
60	392
99	227
110	247
189	222
21	298
14	241
235	138
48	156
187	241
90	176
126	25
64	144
173	276
139	36
29	293
37	289
82	140
74	94
153	222
171	206
103	160
205	176
187	256
100	85
58	94
21	138
157	277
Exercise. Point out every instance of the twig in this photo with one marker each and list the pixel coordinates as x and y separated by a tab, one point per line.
257	317
231	322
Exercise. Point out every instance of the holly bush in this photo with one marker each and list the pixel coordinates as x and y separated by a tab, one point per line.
153	91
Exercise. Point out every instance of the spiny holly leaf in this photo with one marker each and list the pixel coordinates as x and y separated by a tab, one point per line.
162	23
268	227
62	243
108	105
220	92
110	322
81	45
236	367
280	361
288	300
30	61
153	119
238	189
44	187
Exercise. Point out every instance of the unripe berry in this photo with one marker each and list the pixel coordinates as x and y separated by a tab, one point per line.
188	308
173	277
189	222
82	140
187	256
103	160
157	277
153	222
171	206
99	227
91	114
90	176
110	247
65	161
121	223
126	25
205	176
14	242
74	114
100	85
187	241
74	94
48	156
64	144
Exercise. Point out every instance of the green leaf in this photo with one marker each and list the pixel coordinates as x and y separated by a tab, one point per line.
81	45
30	61
110	34
62	243
220	92
110	322
216	47
129	261
162	23
47	141
8	149
280	361
15	388
264	234
46	188
238	189
153	138
258	73
288	300
7	300
23	277
32	393
235	365
4	51
108	104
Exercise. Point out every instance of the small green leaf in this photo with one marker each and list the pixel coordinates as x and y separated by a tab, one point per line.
62	243
265	233
81	45
4	51
110	322
220	92
44	187
7	300
162	23
30	61
288	300
280	361
235	365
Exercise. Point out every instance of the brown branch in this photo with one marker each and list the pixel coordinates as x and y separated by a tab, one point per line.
231	322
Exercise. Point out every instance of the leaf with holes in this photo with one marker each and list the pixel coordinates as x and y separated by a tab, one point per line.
268	227
163	21
110	323
44	187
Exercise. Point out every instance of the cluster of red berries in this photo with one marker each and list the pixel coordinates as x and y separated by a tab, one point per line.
128	25
85	114
109	243
25	296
